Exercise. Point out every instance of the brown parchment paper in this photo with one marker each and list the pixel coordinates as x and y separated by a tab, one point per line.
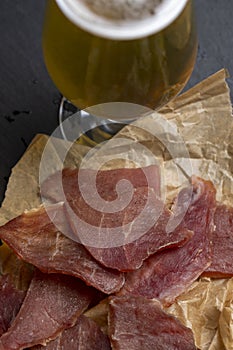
23	192
207	308
203	118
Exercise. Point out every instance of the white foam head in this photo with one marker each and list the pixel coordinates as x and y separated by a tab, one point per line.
121	19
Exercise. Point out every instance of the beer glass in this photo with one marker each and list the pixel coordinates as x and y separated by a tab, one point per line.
99	51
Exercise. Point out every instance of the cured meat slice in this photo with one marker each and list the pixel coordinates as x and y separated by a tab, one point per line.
106	181
14	282
167	274
130	256
137	323
85	335
221	265
11	300
53	303
96	201
37	240
119	253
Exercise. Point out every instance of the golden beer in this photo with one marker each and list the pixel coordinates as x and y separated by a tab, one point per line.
89	68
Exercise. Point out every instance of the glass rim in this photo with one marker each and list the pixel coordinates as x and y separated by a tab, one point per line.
83	17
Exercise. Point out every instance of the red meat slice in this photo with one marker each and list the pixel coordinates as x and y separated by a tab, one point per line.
99	204
106	181
221	265
167	274
118	253
53	303
85	335
130	256
136	323
35	238
11	300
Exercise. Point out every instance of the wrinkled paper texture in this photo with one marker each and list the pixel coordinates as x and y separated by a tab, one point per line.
207	308
23	192
202	117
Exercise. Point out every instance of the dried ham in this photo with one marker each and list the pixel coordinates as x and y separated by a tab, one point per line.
89	209
222	241
130	256
52	304
11	299
136	323
37	240
131	237
85	335
167	274
106	181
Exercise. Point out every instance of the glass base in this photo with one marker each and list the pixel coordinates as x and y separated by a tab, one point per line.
90	129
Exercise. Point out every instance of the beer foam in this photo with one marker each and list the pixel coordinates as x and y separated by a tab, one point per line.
122	19
123	10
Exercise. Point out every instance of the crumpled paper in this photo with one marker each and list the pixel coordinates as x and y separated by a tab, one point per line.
197	127
23	191
202	119
207	309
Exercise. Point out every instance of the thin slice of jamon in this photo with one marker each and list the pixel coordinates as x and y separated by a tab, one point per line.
106	181
85	335
130	256
222	265
135	237
37	240
136	323
96	201
53	303
11	300
167	274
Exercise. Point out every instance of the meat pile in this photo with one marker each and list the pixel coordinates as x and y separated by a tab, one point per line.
140	277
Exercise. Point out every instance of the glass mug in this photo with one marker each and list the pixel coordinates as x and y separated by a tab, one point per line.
96	56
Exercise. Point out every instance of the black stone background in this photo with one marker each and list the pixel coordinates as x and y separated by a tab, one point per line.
29	100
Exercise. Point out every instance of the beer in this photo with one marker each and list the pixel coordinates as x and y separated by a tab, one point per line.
93	63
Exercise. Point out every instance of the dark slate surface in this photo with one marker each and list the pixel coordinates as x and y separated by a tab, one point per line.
28	98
